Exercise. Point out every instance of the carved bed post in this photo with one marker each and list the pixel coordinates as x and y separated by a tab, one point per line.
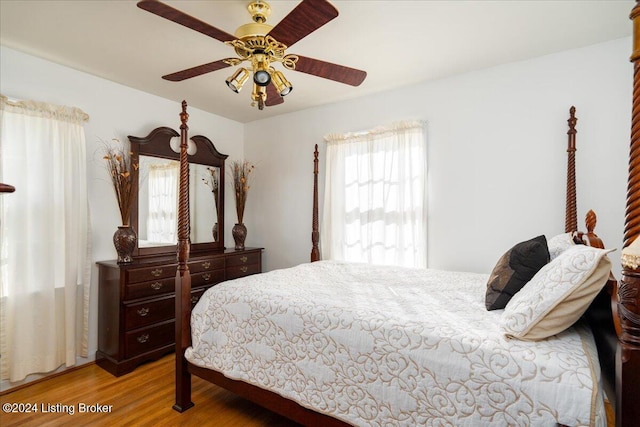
315	234
571	214
628	359
6	188
183	277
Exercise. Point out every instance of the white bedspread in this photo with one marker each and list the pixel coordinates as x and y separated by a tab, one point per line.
377	345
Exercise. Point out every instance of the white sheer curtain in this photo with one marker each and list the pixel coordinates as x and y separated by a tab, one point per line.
162	224
375	196
45	253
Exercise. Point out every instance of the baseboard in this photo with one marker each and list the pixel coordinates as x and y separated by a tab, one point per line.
7	386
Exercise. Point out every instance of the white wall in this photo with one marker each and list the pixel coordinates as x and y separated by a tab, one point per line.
497	161
497	156
115	111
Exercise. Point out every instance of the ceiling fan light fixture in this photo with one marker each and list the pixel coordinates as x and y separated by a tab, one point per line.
238	78
262	78
281	83
261	75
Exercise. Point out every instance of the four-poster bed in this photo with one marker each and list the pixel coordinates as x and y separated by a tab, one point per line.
613	317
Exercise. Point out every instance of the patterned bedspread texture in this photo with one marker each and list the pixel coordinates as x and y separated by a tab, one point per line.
382	346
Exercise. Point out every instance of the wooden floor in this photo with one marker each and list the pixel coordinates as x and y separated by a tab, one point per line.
141	398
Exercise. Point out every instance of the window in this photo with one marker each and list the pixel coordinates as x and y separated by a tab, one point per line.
45	258
375	196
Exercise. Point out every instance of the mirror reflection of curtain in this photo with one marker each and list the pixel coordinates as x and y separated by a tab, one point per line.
163	206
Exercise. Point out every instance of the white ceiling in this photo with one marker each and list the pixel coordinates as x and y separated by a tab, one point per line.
398	43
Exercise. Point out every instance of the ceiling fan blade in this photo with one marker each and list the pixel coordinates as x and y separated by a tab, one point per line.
327	70
307	17
168	12
273	97
196	71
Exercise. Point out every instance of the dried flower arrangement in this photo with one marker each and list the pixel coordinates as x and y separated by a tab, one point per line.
211	181
124	175
240	172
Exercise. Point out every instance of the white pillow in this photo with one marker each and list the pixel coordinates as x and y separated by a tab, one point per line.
560	243
558	294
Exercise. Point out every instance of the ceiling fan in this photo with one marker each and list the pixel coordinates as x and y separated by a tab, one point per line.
262	45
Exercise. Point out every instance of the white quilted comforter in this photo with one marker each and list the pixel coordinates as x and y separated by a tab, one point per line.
386	346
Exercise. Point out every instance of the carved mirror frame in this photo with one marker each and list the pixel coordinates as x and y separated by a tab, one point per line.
158	144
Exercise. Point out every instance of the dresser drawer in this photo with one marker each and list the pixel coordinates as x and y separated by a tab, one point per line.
207	278
243	259
151	273
149	289
207	264
149	312
242	270
147	339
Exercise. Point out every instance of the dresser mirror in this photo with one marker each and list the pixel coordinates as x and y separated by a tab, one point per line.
154	212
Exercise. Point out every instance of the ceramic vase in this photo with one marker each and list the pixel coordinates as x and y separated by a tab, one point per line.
125	239
239	232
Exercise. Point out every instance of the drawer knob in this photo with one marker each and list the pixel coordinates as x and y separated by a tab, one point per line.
143	311
206	265
244	268
195	299
206	277
143	338
156	286
157	272
243	259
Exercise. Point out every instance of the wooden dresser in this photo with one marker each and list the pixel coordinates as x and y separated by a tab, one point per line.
137	302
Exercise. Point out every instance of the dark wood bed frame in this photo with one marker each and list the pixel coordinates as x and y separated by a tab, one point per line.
614	315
